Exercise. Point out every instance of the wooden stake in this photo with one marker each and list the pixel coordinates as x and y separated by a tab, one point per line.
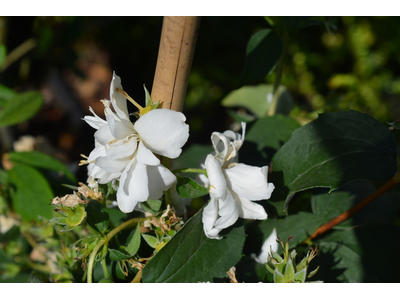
177	44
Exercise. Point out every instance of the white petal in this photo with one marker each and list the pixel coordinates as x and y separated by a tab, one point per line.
228	211
201	178
133	186
96	122
163	131
216	177
103	135
118	100
146	157
249	209
122	149
112	165
160	180
250	182
210	215
98	151
269	243
103	176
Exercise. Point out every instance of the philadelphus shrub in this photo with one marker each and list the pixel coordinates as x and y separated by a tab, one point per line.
232	185
125	151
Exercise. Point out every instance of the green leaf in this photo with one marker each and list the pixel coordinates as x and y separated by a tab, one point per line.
191	157
3	53
257	99
300	276
293	24
289	272
150	240
301	226
134	243
152	206
262	54
20	108
148	98
33	193
117	255
188	188
191	257
336	149
264	137
278	277
41	160
6	94
97	216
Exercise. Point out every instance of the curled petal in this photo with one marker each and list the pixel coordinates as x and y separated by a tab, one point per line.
210	215
118	100
96	122
103	176
228	212
221	144
216	177
250	182
163	131
160	180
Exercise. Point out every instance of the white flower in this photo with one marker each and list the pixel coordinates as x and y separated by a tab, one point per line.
232	186
125	151
269	244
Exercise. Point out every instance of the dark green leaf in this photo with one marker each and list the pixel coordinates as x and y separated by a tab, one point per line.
301	226
134	243
191	257
97	216
257	99
152	206
41	160
335	149
262	54
191	157
20	108
33	193
293	24
360	254
188	188
6	94
117	255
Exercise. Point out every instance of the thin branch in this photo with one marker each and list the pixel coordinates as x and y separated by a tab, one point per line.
347	214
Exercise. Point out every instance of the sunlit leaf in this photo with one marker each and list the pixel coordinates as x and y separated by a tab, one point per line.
31	199
41	160
20	108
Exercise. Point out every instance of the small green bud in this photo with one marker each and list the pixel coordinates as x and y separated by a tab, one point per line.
285	269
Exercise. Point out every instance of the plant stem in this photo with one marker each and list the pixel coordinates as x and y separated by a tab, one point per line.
279	69
108	237
104	263
190	170
347	214
18	52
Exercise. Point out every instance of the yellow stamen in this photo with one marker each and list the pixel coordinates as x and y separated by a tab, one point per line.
129	98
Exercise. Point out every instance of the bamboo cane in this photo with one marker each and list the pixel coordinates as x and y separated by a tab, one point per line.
175	55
